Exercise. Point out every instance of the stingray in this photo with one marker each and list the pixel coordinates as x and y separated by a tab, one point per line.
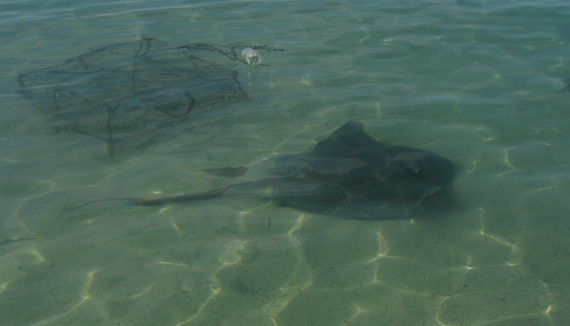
349	174
124	93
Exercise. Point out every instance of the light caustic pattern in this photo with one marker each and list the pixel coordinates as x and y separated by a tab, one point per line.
292	269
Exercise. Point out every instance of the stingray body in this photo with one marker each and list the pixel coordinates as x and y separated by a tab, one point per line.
349	174
354	175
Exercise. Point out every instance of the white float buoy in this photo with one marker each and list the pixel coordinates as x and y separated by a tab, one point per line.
252	57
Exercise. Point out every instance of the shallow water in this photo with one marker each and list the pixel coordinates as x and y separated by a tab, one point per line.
478	82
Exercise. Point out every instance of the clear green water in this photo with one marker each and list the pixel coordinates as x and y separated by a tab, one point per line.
476	81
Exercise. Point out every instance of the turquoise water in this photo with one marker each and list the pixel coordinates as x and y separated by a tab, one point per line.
479	82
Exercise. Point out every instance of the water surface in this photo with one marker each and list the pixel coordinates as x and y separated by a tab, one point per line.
475	81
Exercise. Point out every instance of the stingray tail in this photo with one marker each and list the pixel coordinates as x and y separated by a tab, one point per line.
126	200
176	199
159	201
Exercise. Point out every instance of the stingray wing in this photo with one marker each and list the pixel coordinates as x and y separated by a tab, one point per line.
347	138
